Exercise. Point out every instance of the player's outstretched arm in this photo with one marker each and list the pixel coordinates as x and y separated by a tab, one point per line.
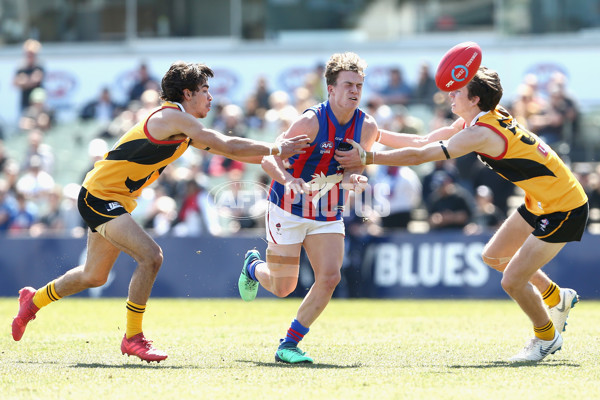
472	139
398	140
174	124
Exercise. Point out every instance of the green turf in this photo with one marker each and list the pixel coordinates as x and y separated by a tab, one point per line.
224	349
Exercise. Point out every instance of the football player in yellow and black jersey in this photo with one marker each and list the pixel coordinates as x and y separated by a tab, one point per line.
554	212
109	192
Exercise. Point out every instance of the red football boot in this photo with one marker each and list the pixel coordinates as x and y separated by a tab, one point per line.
141	347
26	313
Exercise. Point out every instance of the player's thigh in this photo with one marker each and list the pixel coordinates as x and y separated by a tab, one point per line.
283	262
100	256
509	238
532	256
325	252
125	234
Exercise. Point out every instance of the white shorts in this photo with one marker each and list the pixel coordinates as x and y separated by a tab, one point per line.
285	228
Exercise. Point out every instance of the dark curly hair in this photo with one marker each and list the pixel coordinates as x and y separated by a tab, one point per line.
182	75
486	85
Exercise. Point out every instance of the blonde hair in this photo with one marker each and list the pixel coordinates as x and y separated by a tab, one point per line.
339	62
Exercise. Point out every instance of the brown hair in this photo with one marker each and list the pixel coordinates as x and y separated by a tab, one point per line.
182	76
486	85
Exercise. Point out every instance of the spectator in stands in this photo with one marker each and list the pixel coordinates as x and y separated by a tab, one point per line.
501	188
262	93
11	175
487	217
31	74
4	158
110	192
382	113
23	218
149	101
529	103
303	98
37	147
396	91
124	121
404	192
97	148
103	109
37	115
428	181
35	184
559	122
7	207
50	219
403	121
254	116
280	111
231	122
143	81
196	214
449	205
315	83
425	88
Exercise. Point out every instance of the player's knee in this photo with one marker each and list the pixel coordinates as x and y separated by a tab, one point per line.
510	284
152	260
283	290
497	263
94	280
329	280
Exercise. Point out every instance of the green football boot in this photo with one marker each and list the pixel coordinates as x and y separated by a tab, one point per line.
288	352
246	285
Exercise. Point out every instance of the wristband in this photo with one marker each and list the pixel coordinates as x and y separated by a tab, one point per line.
278	148
363	157
445	150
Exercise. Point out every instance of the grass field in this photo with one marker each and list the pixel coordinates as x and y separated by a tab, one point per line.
363	349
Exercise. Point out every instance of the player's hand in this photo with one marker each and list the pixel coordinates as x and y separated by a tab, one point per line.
291	146
356	157
296	186
358	183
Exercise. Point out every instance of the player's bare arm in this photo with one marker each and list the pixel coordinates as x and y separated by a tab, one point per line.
473	139
397	140
173	125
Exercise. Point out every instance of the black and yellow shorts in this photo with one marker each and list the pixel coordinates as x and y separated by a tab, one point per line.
558	227
95	211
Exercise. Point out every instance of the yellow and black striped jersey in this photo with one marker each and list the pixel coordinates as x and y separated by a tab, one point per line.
529	163
133	163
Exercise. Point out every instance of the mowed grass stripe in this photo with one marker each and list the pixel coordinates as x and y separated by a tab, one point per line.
363	349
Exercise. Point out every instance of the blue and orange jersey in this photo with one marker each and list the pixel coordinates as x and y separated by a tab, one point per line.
319	169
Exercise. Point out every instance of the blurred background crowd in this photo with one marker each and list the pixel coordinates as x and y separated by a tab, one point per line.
462	194
44	160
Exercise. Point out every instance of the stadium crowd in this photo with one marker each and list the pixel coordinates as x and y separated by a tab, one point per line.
456	194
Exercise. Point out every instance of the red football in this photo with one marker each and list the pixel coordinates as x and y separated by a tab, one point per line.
458	66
